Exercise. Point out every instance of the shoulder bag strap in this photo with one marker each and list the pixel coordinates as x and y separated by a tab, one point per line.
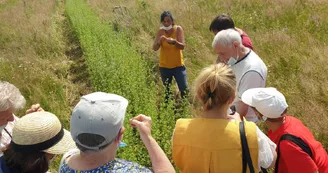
245	150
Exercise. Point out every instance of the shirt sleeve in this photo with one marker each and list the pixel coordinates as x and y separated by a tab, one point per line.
295	158
65	156
246	41
266	149
251	79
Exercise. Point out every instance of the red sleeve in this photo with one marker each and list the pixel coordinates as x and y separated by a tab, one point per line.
246	41
295	159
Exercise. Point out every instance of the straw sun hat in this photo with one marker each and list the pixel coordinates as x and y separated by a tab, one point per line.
41	131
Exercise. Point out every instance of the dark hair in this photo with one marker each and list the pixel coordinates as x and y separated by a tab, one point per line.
222	22
26	162
91	140
165	14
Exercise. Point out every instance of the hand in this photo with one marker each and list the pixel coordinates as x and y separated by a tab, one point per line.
171	41
234	116
143	124
163	38
35	108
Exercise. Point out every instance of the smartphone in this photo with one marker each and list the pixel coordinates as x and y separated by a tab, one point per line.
233	109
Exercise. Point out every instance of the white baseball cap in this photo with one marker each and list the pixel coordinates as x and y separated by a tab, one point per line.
98	113
268	101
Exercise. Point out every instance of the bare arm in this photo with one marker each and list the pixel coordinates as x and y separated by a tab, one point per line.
160	163
157	156
158	38
242	109
180	38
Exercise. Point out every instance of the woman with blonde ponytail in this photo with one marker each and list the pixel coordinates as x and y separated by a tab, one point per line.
211	141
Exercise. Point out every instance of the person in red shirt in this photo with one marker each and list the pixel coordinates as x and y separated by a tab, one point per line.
271	107
222	22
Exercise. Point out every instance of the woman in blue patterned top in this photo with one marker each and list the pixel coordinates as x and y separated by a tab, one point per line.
97	129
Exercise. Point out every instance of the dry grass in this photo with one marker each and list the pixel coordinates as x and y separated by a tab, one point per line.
289	35
32	50
32	56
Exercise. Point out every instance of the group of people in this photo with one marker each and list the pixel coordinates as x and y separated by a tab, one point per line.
235	84
222	138
29	144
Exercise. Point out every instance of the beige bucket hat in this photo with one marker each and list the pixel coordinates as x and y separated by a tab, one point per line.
41	131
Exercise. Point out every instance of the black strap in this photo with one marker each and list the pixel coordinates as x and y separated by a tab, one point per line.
8	133
296	140
39	146
264	170
247	160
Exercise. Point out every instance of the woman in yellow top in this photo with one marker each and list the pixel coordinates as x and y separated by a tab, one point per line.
211	142
170	39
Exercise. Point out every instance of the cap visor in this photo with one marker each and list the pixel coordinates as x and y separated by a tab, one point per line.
247	97
64	145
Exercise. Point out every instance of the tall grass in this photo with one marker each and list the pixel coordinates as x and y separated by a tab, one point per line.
290	36
32	56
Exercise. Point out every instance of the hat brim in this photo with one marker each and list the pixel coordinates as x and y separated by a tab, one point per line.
247	96
64	145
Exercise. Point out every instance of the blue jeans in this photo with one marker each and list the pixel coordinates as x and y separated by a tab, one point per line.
180	76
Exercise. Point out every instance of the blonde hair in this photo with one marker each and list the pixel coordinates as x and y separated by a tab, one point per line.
215	85
10	97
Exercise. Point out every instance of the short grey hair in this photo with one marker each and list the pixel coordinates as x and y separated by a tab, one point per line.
226	38
10	97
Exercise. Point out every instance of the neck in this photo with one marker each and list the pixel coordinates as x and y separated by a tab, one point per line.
243	52
99	158
216	112
274	125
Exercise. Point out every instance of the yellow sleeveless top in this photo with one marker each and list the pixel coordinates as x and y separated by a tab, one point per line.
170	55
212	145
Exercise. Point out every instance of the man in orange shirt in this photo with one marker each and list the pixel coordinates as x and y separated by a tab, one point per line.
297	149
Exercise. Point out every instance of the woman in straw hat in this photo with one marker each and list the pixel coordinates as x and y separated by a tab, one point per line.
211	142
37	138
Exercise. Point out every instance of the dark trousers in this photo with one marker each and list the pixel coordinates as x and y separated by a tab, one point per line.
180	76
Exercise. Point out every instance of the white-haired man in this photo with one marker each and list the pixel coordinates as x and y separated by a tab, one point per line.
248	67
11	100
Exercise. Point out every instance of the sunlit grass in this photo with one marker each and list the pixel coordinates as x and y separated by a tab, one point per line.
289	35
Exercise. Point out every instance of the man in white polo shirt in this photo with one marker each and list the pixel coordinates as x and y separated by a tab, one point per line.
250	70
